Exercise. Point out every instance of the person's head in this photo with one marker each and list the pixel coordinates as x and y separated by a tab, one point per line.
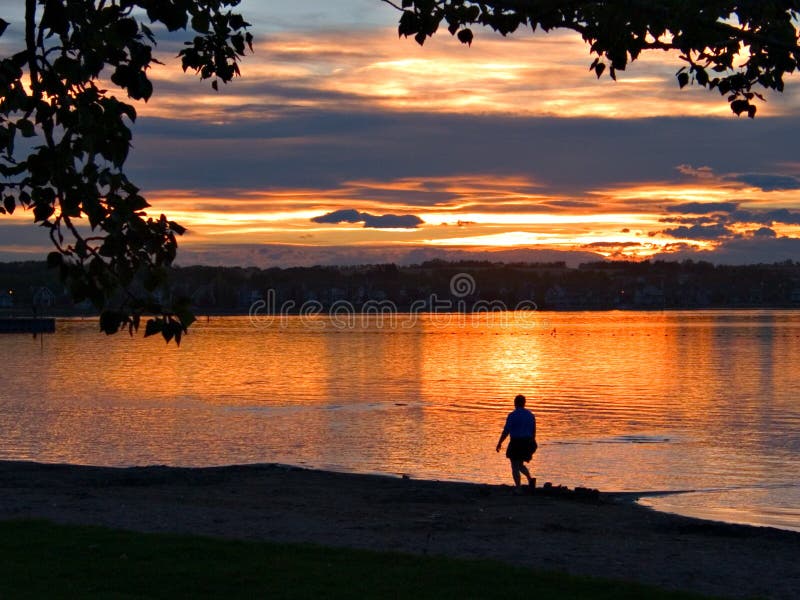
519	401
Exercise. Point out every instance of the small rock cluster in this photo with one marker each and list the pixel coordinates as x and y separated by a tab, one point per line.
579	493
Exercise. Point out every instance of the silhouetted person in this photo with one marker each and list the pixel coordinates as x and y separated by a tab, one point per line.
521	427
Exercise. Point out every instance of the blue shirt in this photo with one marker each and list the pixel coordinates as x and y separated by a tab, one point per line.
520	423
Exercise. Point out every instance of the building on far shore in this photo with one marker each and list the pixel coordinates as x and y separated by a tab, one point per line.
7	299
43	297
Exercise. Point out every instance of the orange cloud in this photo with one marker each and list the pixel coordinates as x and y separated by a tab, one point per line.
632	221
532	75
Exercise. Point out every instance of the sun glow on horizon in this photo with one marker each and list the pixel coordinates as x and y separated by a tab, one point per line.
634	222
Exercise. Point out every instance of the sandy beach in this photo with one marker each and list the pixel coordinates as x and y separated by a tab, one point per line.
606	537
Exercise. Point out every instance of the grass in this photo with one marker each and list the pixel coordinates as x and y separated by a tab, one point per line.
42	560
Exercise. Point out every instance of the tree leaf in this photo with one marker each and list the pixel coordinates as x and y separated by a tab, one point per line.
26	128
200	22
599	68
177	228
111	321
42	212
153	327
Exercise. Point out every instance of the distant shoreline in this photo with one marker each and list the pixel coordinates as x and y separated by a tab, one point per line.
440	286
5	313
604	538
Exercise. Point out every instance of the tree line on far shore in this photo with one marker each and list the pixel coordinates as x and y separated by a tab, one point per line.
27	287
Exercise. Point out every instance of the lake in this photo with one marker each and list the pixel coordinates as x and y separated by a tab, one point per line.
699	401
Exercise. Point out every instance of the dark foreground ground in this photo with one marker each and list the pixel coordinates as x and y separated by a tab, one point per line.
605	538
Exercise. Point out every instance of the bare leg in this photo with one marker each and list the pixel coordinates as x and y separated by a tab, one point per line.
516	466
524	470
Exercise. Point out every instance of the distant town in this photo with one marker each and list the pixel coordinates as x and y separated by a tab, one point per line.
31	288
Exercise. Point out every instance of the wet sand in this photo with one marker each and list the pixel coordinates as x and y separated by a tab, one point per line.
607	537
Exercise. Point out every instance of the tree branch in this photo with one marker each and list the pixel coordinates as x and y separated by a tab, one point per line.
30	43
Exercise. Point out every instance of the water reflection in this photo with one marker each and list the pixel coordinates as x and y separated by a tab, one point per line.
627	401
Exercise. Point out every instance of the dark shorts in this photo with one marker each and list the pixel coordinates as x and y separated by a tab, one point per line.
521	449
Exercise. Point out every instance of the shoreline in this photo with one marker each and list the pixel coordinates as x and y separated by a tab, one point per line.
66	314
611	536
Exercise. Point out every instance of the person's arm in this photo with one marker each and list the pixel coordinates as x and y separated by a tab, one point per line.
503	436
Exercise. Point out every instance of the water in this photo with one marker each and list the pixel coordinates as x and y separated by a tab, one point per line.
625	401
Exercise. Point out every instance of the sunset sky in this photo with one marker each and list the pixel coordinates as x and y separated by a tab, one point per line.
342	143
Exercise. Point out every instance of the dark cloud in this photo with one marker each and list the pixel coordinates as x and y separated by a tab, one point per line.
700	232
765	232
769	182
369	220
676	247
768	217
703	208
611	245
278	97
340	216
782	215
718	226
750	250
690	220
301	147
278	54
573	204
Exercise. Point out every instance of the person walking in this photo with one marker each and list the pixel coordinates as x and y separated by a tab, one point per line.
521	428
